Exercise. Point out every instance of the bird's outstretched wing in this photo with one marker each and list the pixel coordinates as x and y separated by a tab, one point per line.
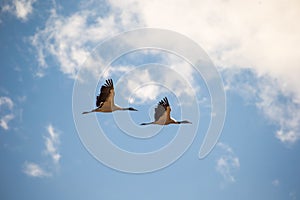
106	93
161	108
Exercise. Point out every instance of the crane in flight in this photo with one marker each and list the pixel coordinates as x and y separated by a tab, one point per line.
162	114
105	100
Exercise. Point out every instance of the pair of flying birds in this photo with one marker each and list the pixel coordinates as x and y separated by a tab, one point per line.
105	103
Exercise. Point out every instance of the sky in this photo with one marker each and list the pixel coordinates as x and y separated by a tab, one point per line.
49	150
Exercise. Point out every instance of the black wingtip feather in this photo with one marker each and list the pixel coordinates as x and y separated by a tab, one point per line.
108	83
167	101
164	102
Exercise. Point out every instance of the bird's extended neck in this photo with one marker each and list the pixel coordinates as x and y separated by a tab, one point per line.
115	108
130	108
183	122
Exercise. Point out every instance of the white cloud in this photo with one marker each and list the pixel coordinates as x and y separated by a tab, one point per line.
20	8
146	93
4	121
146	84
287	137
34	170
6	114
233	37
6	8
279	107
23	8
227	163
52	142
69	40
266	43
116	70
6	101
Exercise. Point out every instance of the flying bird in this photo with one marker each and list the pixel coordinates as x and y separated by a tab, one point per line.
162	114
105	100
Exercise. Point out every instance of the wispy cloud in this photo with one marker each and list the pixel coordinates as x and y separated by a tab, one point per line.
145	82
227	163
4	121
281	110
69	39
279	107
34	170
6	101
238	41
52	141
6	112
22	99
234	39
140	78
148	83
20	8
287	137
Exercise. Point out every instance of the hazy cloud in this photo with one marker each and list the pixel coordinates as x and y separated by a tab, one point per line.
265	44
20	8
279	107
232	36
287	137
52	142
6	101
5	119
227	163
69	39
34	170
275	182
6	112
148	83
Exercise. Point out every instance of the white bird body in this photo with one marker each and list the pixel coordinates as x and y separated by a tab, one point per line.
105	100
162	115
108	108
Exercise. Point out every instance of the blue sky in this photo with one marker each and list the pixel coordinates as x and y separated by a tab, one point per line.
44	44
